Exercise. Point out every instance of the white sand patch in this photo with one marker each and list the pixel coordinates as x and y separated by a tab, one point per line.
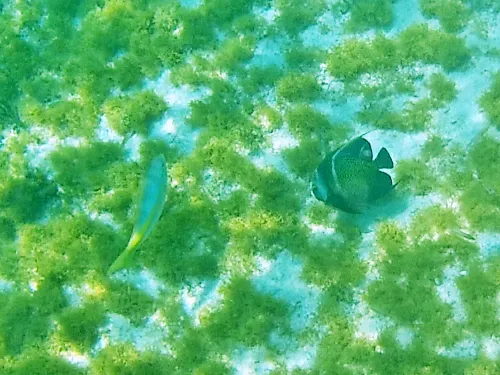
144	280
269	159
281	139
367	248
6	286
404	336
400	145
75	358
104	217
38	152
251	362
73	295
132	146
406	13
317	229
215	186
463	119
342	110
449	293
491	347
282	280
152	335
190	3
105	133
328	82
201	297
326	33
303	358
268	13
172	128
296	355
484	32
268	52
369	325
417	204
467	348
488	244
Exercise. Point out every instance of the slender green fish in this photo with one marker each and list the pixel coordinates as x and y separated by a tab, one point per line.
152	200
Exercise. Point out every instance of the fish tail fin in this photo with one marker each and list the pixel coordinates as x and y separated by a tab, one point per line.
383	159
125	256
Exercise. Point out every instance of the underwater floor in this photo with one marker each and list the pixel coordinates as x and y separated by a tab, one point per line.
246	272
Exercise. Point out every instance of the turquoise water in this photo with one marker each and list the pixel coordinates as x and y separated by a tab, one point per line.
246	272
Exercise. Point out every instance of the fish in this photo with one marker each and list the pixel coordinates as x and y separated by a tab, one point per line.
150	208
464	234
349	179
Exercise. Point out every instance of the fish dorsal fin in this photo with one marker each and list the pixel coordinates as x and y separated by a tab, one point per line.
353	148
383	159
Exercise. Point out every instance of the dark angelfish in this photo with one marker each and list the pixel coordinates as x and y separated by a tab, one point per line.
350	179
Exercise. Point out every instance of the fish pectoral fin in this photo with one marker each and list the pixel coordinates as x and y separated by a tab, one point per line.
383	159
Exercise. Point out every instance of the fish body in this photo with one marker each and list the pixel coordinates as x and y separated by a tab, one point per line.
349	179
150	207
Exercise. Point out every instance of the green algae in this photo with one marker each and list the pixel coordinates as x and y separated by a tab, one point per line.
257	78
248	317
35	310
261	233
275	193
34	191
302	58
304	159
305	122
63	117
268	116
416	43
234	52
442	89
489	101
79	170
298	87
480	207
39	363
479	201
7	229
478	289
80	325
433	147
125	359
226	111
433	220
336	266
134	114
128	301
406	291
294	18
67	248
452	14
187	242
416	175
367	14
